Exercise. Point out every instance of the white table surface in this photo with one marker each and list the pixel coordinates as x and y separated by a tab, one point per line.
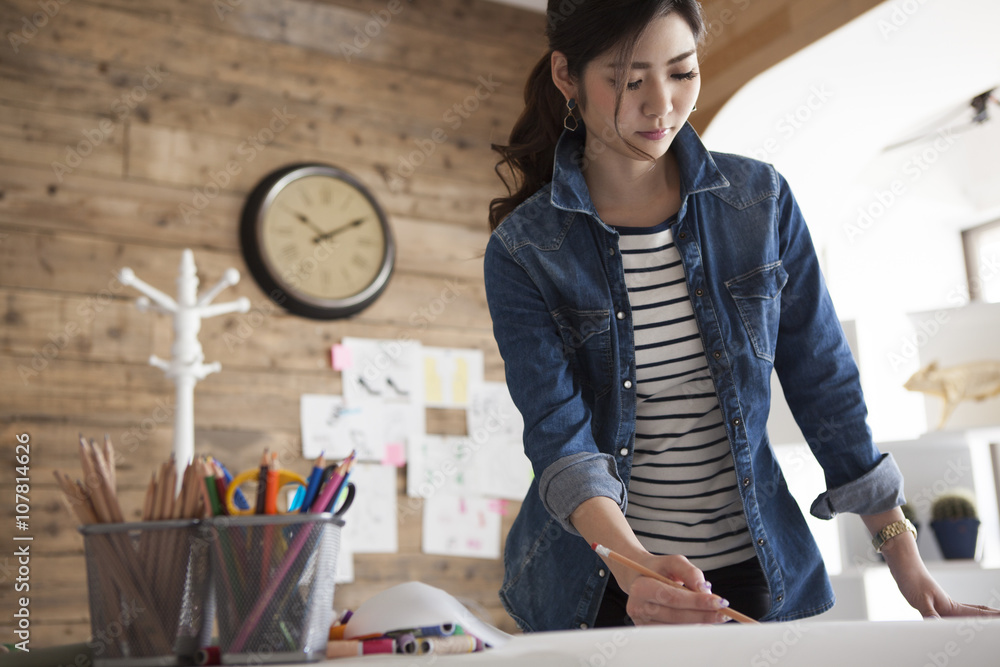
950	642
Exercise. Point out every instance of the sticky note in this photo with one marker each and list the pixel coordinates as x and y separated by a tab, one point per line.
395	454
340	357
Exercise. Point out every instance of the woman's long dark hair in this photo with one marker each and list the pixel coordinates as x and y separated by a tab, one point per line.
581	30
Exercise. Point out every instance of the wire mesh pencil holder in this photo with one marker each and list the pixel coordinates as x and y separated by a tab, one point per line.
149	592
274	585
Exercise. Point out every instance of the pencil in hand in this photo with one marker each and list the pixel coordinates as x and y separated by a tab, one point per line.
642	569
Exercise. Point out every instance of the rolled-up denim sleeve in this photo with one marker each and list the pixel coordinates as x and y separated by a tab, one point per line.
558	421
569	481
821	382
878	490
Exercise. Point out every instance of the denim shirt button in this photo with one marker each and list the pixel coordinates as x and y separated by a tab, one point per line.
627	384
699	292
620	315
717	354
682	235
746	481
623	451
760	541
583	626
737	422
611	251
601	573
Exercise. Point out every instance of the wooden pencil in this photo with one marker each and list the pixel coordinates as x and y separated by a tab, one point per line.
109	456
642	569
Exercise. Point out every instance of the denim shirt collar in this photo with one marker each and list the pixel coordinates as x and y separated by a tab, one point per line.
569	189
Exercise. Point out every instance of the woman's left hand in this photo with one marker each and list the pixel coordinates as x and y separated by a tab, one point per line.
918	586
926	596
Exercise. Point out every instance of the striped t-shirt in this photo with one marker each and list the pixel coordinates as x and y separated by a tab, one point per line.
682	497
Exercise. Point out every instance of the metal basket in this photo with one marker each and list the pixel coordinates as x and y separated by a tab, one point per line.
149	591
274	585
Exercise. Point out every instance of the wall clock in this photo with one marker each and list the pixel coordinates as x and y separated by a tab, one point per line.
317	241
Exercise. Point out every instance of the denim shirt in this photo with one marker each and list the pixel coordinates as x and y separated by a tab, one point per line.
556	291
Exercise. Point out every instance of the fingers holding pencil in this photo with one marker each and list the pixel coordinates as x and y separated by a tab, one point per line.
651	602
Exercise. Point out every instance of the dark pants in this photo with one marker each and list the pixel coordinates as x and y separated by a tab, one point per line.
742	584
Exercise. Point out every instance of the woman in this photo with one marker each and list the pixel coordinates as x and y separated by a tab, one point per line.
642	290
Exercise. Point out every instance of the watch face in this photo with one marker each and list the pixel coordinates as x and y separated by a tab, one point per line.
313	233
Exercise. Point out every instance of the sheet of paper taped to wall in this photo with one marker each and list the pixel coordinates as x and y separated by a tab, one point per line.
415	605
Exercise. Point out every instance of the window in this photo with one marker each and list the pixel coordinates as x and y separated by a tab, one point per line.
982	261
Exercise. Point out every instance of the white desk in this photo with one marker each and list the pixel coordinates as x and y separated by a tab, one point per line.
967	642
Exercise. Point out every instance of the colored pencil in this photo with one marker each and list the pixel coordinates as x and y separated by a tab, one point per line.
262	484
313	483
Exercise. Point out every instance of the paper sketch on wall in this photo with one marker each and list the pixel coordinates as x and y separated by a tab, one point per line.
332	427
382	370
450	374
974	381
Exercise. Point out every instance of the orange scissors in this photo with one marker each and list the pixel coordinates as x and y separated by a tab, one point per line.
276	479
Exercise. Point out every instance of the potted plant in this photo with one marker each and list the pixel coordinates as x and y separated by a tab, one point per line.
955	523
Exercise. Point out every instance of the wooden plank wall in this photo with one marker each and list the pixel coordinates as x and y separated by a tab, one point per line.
142	105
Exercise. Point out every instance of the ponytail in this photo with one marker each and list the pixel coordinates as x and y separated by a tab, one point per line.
526	162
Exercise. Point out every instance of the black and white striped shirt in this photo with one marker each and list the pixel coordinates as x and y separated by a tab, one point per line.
683	496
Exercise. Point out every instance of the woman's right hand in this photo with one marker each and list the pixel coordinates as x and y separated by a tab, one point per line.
651	601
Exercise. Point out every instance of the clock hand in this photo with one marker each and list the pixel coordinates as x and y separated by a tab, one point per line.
307	222
334	232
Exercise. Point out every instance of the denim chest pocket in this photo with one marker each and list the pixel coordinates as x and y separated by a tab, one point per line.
586	336
757	299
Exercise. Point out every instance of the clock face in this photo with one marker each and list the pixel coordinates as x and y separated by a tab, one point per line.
316	237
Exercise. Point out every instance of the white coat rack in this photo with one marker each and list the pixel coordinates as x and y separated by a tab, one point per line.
186	365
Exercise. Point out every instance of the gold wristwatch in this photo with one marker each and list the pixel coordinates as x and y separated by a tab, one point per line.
892	530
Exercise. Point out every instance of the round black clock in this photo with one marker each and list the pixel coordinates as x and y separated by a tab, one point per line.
317	241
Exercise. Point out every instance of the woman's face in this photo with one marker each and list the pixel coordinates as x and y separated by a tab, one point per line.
662	89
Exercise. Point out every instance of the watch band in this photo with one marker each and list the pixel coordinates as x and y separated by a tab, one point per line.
892	530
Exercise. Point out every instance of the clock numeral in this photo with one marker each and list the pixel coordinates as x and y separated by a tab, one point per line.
365	241
360	261
305	198
289	252
347	276
327	195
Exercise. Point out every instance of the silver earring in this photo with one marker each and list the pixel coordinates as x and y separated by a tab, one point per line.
570	105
